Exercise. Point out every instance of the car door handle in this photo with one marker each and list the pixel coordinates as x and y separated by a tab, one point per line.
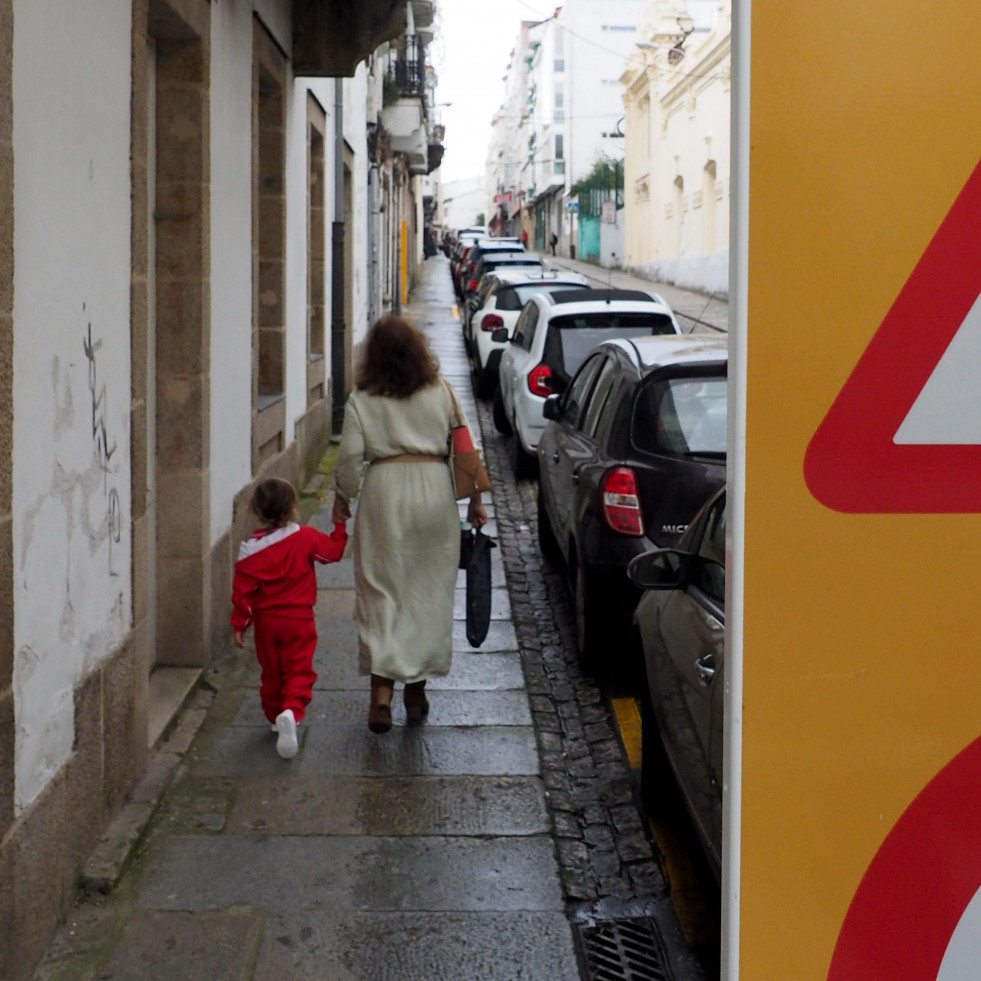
705	666
575	474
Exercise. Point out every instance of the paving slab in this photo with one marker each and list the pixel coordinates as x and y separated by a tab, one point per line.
526	946
470	670
349	707
199	946
351	873
422	750
395	806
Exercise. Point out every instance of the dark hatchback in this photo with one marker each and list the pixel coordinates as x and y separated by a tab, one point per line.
633	448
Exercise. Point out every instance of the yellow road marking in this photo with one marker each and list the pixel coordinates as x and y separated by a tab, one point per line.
696	919
628	720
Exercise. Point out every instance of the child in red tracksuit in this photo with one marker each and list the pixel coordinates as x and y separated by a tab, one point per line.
275	587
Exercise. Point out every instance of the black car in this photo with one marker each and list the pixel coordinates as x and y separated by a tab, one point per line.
680	620
633	448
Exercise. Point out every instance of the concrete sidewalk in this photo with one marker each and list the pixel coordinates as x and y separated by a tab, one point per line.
422	853
696	311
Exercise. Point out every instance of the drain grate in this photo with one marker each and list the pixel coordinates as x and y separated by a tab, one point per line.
623	950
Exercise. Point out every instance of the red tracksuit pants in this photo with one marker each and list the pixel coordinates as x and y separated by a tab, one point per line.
285	647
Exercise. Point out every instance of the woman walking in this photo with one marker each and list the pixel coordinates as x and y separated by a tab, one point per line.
407	530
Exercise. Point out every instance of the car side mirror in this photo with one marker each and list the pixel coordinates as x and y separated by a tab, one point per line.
552	409
664	568
500	335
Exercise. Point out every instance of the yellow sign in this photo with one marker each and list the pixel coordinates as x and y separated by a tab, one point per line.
859	641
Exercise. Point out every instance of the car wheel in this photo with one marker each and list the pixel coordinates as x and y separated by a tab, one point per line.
587	639
546	537
486	381
501	422
525	465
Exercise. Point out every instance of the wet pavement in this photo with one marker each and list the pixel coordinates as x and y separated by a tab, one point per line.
474	847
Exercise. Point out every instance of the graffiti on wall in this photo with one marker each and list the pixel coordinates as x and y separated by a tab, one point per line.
104	448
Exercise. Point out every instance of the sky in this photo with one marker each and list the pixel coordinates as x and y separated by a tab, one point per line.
471	52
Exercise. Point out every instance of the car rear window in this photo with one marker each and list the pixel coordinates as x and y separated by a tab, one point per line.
572	337
682	417
515	297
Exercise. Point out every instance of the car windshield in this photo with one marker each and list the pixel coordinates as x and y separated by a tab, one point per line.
682	417
577	334
515	297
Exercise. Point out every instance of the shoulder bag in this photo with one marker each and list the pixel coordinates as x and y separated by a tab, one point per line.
466	466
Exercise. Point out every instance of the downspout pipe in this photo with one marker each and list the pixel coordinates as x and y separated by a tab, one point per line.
338	328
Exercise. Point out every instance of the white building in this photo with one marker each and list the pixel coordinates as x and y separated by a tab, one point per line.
563	104
185	236
463	201
677	104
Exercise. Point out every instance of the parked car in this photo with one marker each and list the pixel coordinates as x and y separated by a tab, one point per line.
466	270
553	334
631	451
680	621
529	262
502	294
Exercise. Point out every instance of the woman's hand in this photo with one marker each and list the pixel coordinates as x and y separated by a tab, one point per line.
240	638
476	512
342	510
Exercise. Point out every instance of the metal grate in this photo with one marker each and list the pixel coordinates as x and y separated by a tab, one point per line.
623	950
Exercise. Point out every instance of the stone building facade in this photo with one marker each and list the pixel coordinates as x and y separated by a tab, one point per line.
186	223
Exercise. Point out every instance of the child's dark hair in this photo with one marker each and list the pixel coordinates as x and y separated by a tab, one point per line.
274	502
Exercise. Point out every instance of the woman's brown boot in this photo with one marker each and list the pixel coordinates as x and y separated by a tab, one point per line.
416	703
380	713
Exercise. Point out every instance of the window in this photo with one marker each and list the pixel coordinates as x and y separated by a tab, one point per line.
559	147
599	398
572	337
682	417
579	389
524	331
269	82
559	114
316	251
709	573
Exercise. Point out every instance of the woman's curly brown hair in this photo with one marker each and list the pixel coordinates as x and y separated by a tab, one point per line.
396	361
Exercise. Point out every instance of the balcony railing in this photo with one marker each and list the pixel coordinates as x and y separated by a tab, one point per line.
407	70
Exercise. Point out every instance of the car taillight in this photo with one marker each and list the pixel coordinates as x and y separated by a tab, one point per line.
538	381
473	284
491	321
621	502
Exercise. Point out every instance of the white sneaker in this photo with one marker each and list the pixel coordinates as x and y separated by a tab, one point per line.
287	744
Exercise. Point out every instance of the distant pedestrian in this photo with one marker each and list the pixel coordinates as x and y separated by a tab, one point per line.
393	456
275	587
553	241
524	237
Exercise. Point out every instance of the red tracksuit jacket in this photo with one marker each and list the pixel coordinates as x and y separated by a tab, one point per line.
275	571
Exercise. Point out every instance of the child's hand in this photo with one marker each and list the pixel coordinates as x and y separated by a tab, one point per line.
240	638
342	510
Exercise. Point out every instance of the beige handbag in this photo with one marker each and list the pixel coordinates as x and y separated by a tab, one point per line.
466	466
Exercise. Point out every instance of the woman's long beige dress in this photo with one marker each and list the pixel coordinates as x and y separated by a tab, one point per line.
406	532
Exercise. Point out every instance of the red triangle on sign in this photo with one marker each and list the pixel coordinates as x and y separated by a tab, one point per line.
853	463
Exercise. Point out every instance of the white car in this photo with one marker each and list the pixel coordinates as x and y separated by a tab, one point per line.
502	295
553	335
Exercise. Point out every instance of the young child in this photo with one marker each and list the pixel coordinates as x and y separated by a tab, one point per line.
275	587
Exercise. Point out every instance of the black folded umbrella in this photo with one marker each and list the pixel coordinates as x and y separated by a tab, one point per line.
475	557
